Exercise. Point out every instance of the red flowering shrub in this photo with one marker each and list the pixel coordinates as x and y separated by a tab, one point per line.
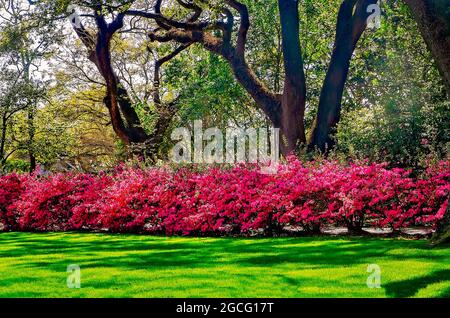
370	193
306	195
87	204
10	190
178	203
132	202
46	203
236	201
428	197
232	201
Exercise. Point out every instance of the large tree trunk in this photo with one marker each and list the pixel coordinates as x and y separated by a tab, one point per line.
31	133
124	119
294	93
351	23
285	111
2	141
131	132
433	20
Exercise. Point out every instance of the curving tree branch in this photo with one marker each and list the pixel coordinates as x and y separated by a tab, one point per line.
124	119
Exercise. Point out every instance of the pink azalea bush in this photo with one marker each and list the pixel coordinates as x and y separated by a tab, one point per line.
47	204
234	201
11	188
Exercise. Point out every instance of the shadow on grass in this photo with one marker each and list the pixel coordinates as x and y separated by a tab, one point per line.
409	287
163	252
137	252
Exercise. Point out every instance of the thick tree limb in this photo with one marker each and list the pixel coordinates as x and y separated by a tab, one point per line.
196	32
167	22
294	93
351	23
192	6
117	100
433	20
243	27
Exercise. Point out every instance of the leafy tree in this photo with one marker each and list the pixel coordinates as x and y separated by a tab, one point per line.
285	110
25	41
212	26
433	20
159	64
73	131
398	110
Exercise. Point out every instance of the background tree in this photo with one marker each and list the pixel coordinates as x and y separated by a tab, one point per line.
25	41
393	105
433	20
286	111
125	119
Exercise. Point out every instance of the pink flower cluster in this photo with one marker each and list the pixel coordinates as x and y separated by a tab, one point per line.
219	201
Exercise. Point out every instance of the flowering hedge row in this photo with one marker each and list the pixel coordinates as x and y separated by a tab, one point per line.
240	200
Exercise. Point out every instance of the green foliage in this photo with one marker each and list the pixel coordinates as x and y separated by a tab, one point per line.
73	132
207	90
15	165
395	108
401	134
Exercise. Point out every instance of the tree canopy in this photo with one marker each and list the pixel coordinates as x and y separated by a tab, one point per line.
109	80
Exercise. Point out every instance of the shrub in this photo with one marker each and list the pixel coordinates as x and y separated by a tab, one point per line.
131	203
305	194
87	204
11	188
46	203
234	201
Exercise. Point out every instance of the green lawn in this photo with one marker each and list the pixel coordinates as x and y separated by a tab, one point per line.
34	265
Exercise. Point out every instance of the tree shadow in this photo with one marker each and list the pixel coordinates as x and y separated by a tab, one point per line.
410	287
138	252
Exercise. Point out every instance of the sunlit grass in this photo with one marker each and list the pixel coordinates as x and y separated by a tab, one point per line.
34	265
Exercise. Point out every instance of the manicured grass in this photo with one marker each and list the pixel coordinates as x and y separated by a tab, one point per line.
34	265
